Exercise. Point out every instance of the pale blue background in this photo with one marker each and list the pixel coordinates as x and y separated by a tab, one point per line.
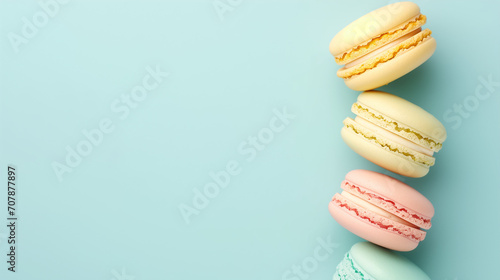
119	208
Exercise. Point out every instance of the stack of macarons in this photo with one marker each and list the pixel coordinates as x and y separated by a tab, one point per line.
391	132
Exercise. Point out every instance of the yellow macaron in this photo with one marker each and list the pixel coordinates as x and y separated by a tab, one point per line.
394	133
382	46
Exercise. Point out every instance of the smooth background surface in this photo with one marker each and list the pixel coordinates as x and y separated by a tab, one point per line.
116	215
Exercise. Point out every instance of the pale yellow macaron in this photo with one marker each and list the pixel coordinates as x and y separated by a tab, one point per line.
382	46
394	133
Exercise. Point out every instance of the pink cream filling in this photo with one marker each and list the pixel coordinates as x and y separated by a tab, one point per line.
378	221
388	205
371	207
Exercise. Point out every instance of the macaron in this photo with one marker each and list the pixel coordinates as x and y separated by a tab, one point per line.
382	46
382	210
366	261
394	133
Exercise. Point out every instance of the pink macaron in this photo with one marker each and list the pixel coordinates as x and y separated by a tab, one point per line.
382	210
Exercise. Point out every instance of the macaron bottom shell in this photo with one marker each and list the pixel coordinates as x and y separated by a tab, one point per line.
382	157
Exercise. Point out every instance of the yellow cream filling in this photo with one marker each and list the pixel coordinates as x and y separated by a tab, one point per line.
380	40
427	142
386	56
374	139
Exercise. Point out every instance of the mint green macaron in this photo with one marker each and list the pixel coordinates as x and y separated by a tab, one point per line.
367	261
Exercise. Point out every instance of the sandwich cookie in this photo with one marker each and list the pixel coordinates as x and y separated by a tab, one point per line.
382	210
382	46
394	133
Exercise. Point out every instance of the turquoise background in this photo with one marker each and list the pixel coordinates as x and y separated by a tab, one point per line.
116	214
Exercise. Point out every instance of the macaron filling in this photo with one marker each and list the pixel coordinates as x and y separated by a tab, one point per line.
385	143
393	137
395	127
349	269
382	49
368	206
396	209
378	41
399	49
366	215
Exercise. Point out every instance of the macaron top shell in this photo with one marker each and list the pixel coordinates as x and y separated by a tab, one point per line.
396	193
406	117
373	24
380	263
